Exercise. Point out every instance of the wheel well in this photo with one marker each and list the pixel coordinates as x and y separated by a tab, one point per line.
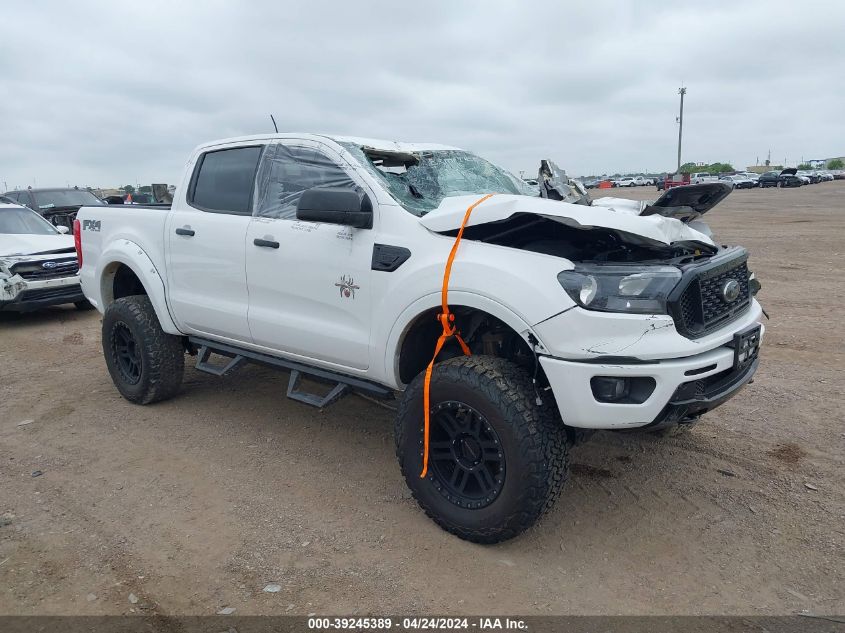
121	281
483	333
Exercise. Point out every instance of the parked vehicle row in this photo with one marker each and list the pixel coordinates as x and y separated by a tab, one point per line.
739	180
625	181
634	181
791	177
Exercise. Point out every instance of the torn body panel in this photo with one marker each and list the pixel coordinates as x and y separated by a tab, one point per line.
612	214
556	185
688	202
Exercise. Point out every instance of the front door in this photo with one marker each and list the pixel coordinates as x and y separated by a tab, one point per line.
206	270
309	283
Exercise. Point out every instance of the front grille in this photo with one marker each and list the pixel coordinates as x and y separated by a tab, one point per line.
704	387
700	309
35	271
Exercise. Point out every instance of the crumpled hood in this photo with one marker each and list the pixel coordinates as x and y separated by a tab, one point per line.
17	244
609	213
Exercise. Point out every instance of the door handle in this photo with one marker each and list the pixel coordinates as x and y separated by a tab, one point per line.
185	231
265	243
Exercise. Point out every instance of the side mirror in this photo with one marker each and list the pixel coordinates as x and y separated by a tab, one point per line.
62	229
335	206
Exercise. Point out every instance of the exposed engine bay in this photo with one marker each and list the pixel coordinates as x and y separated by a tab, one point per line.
543	235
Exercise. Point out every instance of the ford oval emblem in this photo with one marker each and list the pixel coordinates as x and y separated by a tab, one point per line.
49	265
730	291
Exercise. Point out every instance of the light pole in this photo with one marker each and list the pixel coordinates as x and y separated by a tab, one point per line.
681	91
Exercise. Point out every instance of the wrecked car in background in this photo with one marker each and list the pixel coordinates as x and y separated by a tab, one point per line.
790	177
326	255
38	265
58	206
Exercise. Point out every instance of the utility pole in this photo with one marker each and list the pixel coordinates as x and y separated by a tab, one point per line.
681	91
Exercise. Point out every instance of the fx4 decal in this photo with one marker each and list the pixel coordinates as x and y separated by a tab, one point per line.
347	287
90	225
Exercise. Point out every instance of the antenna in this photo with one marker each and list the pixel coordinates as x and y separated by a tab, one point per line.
681	91
274	123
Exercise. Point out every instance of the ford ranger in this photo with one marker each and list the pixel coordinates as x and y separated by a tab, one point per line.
326	256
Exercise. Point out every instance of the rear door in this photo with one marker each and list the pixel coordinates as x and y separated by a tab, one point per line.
309	283
206	275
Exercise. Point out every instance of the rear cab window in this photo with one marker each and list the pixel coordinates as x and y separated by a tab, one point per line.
224	180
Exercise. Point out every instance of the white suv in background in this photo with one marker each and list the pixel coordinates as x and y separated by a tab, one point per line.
38	265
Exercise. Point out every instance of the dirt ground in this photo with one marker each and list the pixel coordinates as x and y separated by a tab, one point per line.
197	503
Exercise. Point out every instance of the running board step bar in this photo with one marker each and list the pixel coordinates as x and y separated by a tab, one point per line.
337	392
342	383
203	363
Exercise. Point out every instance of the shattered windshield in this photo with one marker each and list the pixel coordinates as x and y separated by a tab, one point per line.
420	180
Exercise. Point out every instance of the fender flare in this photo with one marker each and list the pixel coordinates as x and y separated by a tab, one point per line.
131	255
456	298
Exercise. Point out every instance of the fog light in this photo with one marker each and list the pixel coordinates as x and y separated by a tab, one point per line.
621	390
609	388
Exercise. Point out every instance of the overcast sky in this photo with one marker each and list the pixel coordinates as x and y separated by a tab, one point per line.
109	93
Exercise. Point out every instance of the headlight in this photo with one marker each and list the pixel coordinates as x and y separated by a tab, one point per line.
613	288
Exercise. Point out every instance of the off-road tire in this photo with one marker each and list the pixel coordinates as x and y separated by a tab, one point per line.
83	305
533	441
161	355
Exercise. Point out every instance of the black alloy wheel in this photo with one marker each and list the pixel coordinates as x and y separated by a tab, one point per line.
465	455
125	352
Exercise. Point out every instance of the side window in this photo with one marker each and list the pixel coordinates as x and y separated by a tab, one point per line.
22	197
224	180
287	171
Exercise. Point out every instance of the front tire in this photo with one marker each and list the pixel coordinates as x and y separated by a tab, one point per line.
497	459
145	363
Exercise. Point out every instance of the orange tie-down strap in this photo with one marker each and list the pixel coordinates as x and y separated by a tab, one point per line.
446	319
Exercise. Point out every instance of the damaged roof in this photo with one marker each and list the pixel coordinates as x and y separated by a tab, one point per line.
379	144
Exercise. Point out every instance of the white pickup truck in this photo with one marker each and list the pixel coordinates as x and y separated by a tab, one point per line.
325	256
702	177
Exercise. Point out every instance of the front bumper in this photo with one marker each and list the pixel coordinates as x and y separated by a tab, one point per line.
684	388
21	295
696	398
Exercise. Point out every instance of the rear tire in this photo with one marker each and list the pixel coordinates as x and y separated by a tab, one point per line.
145	363
497	459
